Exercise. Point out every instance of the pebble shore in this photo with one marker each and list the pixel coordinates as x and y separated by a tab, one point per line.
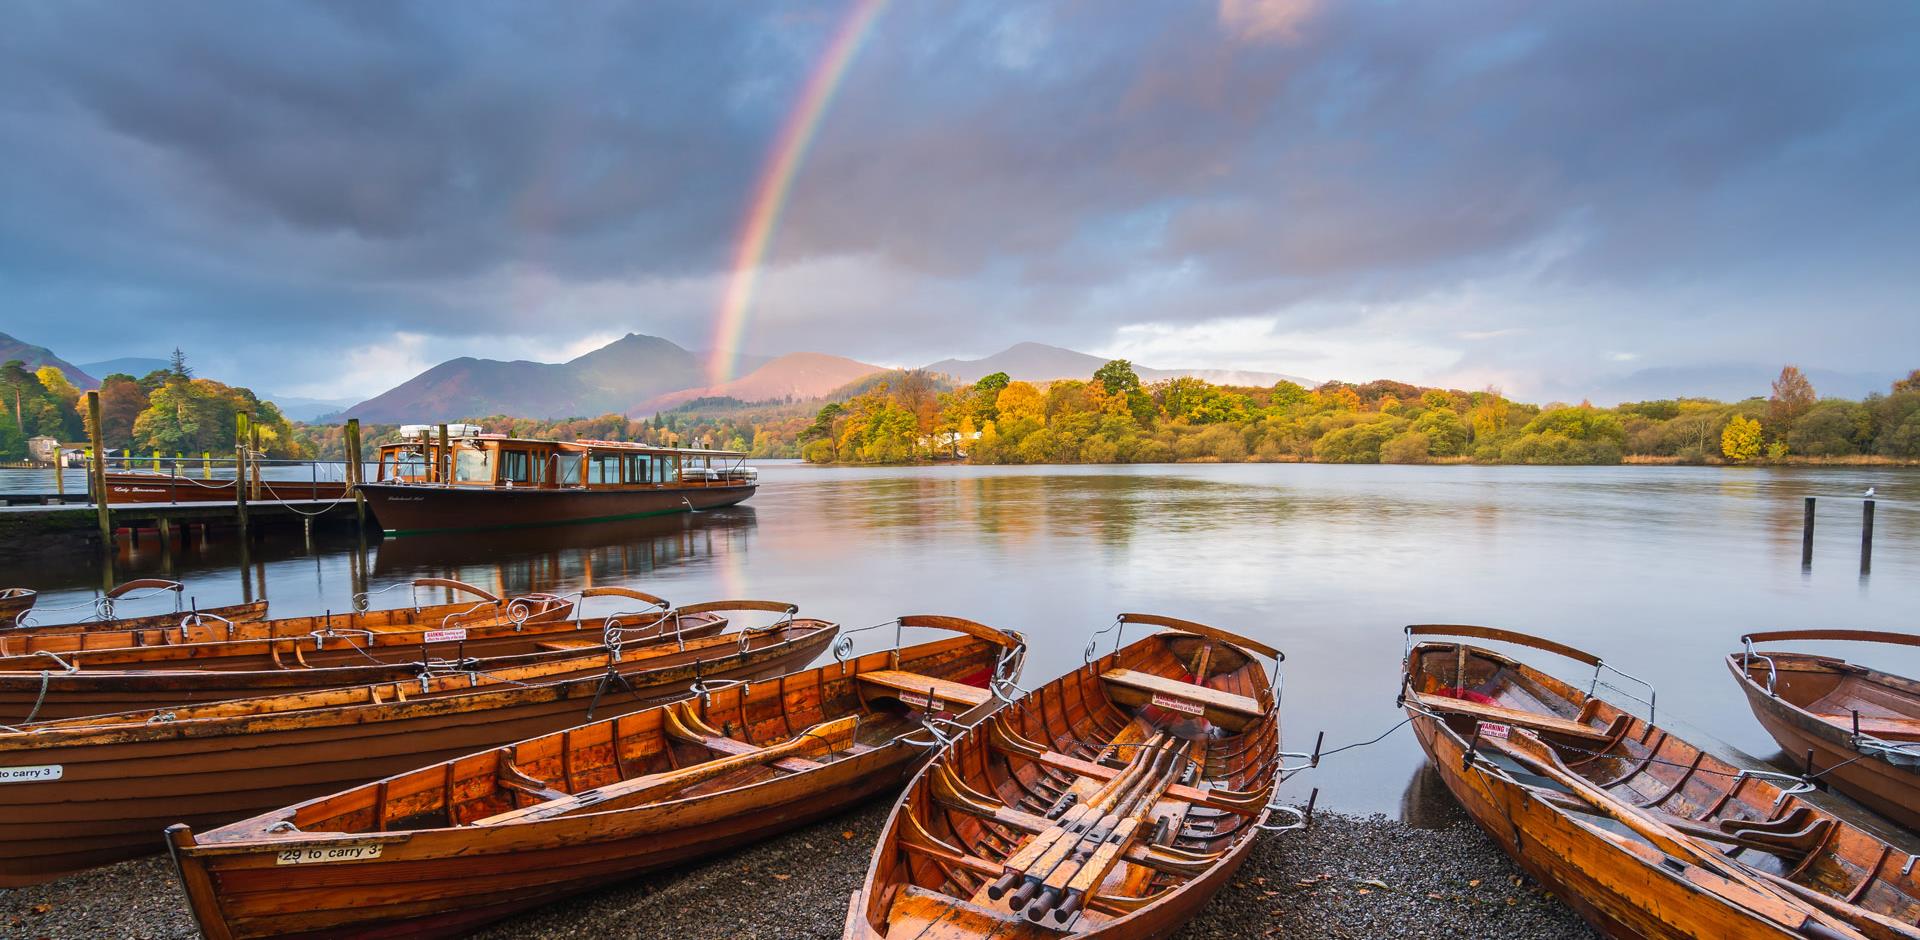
1348	877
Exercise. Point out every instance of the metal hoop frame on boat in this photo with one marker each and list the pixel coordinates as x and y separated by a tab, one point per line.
1005	665
1600	666
104	605
1893	751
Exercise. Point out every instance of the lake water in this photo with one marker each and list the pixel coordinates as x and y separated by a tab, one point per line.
1658	569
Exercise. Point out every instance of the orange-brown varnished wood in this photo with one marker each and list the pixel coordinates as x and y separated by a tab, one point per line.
1084	808
1643	833
477	837
124	777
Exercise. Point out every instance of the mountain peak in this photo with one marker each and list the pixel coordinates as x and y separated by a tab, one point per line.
37	356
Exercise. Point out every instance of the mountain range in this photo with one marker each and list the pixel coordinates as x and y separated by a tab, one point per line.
637	375
36	356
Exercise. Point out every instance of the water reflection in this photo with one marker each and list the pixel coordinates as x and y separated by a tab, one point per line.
559	558
1426	803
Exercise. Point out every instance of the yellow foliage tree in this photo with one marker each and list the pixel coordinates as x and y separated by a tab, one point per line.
1021	400
1740	442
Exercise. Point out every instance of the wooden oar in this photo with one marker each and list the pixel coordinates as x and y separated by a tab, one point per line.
1095	856
1028	866
639	789
1524	747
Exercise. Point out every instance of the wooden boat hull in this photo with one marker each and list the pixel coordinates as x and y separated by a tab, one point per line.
14	601
131	486
403	507
1641	832
1619	896
213	644
292	666
1888	788
249	612
971	815
117	785
450	875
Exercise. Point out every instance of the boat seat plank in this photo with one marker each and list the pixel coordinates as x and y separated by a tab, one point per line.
1512	716
1211	699
1889	728
919	687
559	645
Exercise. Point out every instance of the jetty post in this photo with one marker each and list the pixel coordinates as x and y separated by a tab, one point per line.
97	469
241	420
354	470
1866	537
1806	537
443	464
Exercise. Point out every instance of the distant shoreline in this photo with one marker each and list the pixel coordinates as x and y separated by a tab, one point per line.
1857	461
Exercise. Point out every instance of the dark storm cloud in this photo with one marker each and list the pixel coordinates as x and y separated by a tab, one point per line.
291	182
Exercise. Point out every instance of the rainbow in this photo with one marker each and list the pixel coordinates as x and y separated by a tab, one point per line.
776	183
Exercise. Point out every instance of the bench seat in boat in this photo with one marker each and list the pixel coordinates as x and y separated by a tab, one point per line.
1140	688
1551	724
913	688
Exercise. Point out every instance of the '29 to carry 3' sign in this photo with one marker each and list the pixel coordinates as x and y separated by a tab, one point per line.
35	774
330	853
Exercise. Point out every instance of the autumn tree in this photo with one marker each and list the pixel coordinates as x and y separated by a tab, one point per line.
1020	400
1792	397
1740	441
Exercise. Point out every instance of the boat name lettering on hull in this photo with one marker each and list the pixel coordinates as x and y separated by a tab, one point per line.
39	773
1191	708
331	853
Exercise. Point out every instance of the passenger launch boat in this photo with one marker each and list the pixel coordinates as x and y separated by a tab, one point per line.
471	480
331	659
1111	802
1643	833
440	850
86	792
1858	725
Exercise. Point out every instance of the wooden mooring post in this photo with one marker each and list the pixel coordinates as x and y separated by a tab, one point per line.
1806	537
354	470
1866	537
241	421
97	468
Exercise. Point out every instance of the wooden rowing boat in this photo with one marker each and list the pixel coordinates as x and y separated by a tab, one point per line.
445	848
1643	833
1858	725
89	791
97	687
15	601
103	611
1112	802
187	634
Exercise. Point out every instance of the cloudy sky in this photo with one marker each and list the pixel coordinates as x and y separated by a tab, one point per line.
1564	200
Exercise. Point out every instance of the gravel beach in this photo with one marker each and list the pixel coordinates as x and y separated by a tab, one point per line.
1348	877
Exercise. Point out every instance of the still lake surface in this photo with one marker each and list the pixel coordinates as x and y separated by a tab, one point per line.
1657	569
